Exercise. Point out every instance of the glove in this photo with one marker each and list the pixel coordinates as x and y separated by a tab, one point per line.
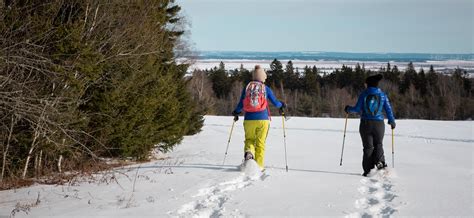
236	115
392	124
282	108
346	109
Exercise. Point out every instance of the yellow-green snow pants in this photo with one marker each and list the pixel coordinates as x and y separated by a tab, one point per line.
256	132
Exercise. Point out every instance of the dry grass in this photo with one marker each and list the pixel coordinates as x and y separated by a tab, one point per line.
87	172
25	207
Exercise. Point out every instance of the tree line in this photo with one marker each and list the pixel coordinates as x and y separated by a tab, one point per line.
311	92
81	81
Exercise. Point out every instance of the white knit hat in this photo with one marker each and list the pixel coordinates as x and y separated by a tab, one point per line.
259	74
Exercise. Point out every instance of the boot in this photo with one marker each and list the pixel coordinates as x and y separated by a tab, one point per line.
248	155
381	165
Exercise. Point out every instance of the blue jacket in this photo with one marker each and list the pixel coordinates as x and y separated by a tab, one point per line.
359	107
262	115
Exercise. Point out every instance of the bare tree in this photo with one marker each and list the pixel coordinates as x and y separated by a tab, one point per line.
338	98
450	91
200	87
7	146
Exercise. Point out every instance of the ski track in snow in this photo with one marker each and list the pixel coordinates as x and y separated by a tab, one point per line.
212	199
377	196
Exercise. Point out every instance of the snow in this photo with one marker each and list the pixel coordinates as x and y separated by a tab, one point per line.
433	176
329	65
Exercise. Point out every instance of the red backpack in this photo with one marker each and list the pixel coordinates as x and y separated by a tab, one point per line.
255	97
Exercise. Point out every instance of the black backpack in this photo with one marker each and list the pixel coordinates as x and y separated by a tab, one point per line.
372	104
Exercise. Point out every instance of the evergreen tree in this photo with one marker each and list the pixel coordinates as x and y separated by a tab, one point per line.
391	74
291	79
289	68
421	82
432	76
408	78
143	101
311	84
245	75
358	79
221	83
275	75
461	77
221	66
344	77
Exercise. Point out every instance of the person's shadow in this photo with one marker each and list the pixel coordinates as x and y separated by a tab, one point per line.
316	171
233	168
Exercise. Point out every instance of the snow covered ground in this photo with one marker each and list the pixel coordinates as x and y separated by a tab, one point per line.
329	66
433	176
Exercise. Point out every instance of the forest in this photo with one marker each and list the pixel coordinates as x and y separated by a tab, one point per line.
312	93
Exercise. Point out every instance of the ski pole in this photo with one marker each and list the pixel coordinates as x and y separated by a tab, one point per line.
344	139
228	142
284	139
393	152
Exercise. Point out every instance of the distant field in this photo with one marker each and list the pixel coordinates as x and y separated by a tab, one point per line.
329	61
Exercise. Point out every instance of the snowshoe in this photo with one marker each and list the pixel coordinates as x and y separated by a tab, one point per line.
251	169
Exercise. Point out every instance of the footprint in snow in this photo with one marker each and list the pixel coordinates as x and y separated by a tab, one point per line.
377	196
212	199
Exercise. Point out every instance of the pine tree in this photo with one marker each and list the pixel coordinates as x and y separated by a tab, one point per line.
408	78
311	83
245	75
391	74
275	74
432	77
289	68
221	66
143	102
421	82
290	77
221	83
358	79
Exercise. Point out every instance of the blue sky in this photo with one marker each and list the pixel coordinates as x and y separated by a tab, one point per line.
419	26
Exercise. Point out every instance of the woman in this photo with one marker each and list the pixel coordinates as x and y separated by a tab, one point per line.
371	129
253	102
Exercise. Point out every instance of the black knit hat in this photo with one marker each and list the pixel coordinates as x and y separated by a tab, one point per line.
373	81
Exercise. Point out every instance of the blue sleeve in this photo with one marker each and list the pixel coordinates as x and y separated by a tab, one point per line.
239	107
358	107
272	98
388	109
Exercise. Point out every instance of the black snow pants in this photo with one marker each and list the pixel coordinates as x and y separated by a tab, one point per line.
372	132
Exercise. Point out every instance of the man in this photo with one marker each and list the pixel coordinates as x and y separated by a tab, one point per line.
253	102
372	129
